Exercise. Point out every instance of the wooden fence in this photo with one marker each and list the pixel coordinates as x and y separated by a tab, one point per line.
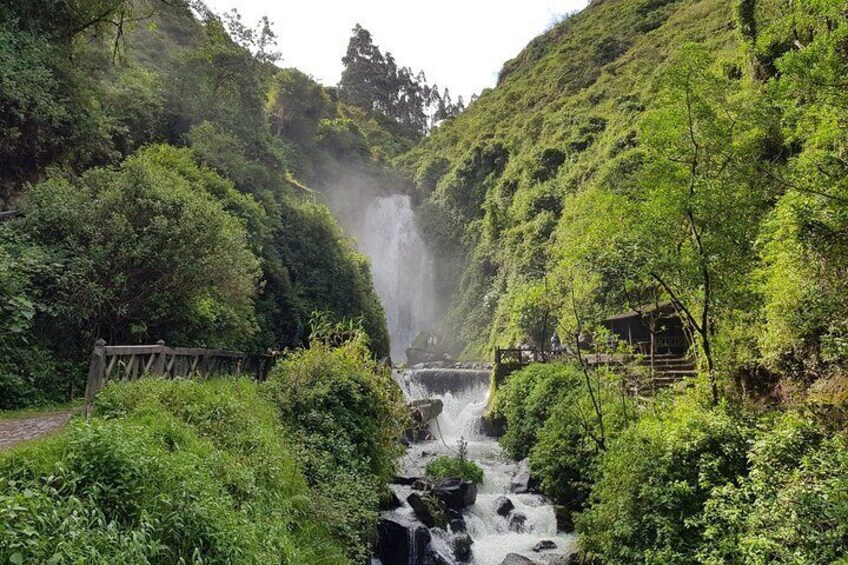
129	362
520	356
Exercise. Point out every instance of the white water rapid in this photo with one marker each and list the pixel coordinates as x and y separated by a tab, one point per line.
402	267
465	394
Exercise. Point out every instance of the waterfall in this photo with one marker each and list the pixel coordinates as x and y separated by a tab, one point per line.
402	267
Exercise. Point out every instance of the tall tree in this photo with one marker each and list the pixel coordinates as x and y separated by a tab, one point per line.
702	196
375	81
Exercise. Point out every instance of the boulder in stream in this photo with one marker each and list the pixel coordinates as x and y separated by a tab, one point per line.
428	509
518	523
564	518
390	500
516	559
400	541
432	557
461	546
503	506
455	494
457	525
425	409
544	545
520	482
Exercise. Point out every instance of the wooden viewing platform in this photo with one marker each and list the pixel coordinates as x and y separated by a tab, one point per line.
645	374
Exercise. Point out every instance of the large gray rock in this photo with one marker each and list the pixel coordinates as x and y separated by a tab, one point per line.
516	559
461	546
390	500
428	509
425	409
432	557
518	523
455	494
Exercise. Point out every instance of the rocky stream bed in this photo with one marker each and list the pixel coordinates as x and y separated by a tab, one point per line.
450	522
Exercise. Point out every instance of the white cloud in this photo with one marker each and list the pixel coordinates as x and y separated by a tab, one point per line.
460	44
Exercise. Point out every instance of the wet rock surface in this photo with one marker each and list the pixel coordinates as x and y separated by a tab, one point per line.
518	523
455	494
544	545
400	541
503	506
428	509
521	481
516	559
461	545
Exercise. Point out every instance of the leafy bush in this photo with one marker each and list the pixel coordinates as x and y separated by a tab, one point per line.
145	250
526	401
447	467
654	480
569	444
167	472
343	413
792	507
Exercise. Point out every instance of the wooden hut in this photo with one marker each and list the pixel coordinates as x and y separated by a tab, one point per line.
652	329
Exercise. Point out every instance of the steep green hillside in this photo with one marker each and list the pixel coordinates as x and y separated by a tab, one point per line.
563	117
649	150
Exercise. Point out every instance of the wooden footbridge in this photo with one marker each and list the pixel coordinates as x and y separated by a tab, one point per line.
130	362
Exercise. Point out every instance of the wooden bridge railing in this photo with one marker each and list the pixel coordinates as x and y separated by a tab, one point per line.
129	362
520	356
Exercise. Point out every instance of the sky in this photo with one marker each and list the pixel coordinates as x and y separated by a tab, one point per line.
459	44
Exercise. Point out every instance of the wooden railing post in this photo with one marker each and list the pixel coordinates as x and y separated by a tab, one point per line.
161	359
96	374
204	365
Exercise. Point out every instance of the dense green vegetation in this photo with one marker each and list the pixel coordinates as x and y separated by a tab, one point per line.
343	414
562	419
687	151
676	479
454	467
162	164
457	466
288	471
166	472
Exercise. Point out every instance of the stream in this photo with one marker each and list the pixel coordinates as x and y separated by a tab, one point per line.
464	393
385	230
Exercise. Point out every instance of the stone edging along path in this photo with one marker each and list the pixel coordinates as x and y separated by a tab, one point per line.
15	431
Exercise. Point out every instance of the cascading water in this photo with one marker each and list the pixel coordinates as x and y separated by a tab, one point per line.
464	394
402	267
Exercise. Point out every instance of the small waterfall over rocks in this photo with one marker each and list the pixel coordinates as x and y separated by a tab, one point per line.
527	531
402	267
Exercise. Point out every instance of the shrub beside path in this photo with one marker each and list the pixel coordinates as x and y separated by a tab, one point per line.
15	431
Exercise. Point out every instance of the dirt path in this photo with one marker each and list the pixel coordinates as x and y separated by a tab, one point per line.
13	432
